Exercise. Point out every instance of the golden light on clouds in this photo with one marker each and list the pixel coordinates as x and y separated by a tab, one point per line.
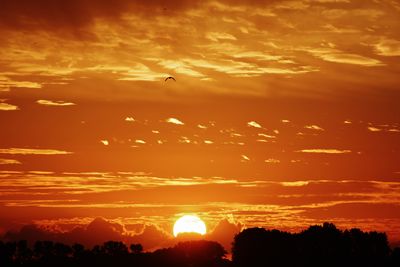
9	161
54	103
174	121
32	151
7	107
325	151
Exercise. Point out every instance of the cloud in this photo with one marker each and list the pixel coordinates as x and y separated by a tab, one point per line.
244	158
6	106
201	126
33	151
272	161
162	40
180	67
374	129
105	142
174	121
7	83
383	128
266	135
54	103
337	56
295	184
129	119
314	127
9	161
137	72
152	237
324	151
224	232
388	47
238	68
254	124
257	55
216	36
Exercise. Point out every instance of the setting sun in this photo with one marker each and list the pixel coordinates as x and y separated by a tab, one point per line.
189	224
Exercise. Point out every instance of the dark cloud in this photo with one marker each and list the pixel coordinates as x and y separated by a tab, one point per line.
152	238
96	232
100	230
76	14
224	233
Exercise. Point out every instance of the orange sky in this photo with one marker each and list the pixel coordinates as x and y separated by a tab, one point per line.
283	113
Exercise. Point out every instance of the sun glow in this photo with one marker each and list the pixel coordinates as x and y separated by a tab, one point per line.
189	224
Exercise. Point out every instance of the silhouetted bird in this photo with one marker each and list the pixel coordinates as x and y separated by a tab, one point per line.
169	78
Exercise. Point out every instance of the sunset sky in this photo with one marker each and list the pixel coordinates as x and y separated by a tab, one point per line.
283	114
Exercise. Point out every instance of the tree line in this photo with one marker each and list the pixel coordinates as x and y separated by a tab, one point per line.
319	246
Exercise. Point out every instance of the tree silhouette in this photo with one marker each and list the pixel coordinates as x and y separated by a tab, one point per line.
113	248
261	247
319	245
136	248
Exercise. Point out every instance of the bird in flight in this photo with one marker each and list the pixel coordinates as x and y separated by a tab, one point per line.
169	78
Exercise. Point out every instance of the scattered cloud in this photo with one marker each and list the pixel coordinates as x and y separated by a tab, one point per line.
244	158
129	119
201	126
272	161
6	106
383	128
388	47
180	67
33	151
266	135
324	151
105	142
295	184
337	56
54	103
374	129
138	72
174	121
9	161
6	84
254	124
314	127
217	36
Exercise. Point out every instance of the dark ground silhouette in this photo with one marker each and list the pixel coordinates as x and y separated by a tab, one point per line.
322	246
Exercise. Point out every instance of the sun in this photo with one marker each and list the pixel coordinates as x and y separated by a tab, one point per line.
189	224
